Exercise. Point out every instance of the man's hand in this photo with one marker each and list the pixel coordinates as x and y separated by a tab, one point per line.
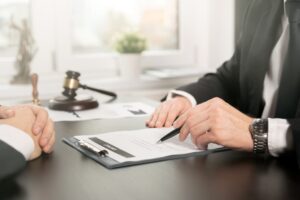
42	125
23	119
215	121
167	112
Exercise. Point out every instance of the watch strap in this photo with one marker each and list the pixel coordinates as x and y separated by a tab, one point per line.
259	132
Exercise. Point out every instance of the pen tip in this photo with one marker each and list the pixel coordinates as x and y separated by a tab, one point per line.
159	142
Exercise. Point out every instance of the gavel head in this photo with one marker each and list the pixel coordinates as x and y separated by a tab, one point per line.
71	84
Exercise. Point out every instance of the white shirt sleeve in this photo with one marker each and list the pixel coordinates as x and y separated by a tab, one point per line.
17	139
279	136
174	93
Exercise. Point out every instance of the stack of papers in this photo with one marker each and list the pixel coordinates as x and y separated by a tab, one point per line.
105	111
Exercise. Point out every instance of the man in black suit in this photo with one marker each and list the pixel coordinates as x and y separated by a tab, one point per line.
25	131
252	102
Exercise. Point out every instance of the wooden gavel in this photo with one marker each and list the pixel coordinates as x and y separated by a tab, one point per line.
72	84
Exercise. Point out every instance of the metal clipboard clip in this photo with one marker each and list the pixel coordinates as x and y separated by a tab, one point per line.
87	146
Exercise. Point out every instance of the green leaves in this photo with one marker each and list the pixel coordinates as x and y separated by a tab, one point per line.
130	43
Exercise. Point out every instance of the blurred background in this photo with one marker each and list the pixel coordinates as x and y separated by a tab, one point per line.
186	38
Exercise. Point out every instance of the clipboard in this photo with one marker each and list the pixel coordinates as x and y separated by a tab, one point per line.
103	158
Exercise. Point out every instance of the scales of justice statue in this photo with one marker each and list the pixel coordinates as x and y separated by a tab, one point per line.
26	52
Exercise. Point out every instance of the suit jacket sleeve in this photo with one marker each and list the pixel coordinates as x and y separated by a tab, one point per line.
223	83
11	161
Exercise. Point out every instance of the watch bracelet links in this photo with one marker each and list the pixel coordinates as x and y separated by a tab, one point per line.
260	136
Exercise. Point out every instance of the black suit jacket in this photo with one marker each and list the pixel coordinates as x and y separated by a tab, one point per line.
239	81
11	161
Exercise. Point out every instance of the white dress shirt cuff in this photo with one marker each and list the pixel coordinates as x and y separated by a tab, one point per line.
17	139
174	93
279	136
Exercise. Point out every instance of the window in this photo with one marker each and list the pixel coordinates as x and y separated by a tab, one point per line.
78	34
97	22
87	28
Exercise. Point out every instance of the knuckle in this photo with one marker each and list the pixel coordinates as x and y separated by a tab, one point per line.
217	101
216	111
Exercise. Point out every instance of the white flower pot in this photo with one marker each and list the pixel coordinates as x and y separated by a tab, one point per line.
130	66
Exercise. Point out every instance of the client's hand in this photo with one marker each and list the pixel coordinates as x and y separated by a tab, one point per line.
167	112
43	126
24	119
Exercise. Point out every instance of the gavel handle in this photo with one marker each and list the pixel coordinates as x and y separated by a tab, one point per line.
112	94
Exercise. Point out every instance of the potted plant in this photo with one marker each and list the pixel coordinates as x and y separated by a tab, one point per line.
130	46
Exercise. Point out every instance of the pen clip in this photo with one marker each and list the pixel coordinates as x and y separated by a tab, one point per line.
87	146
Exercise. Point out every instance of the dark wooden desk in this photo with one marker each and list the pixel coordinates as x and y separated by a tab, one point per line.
67	175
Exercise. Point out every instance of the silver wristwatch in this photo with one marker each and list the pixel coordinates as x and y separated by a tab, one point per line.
259	132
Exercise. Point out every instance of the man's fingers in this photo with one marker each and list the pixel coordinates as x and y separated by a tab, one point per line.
47	133
154	117
199	130
183	134
195	125
162	116
173	113
181	120
201	108
149	120
49	147
203	140
195	119
41	119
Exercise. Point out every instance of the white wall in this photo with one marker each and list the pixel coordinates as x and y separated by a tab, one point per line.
215	32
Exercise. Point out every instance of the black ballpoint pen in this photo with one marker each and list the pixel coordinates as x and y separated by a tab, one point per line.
169	135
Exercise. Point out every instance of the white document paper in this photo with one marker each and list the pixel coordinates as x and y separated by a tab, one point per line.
104	111
137	145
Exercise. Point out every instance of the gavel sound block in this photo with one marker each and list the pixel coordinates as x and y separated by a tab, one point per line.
70	101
